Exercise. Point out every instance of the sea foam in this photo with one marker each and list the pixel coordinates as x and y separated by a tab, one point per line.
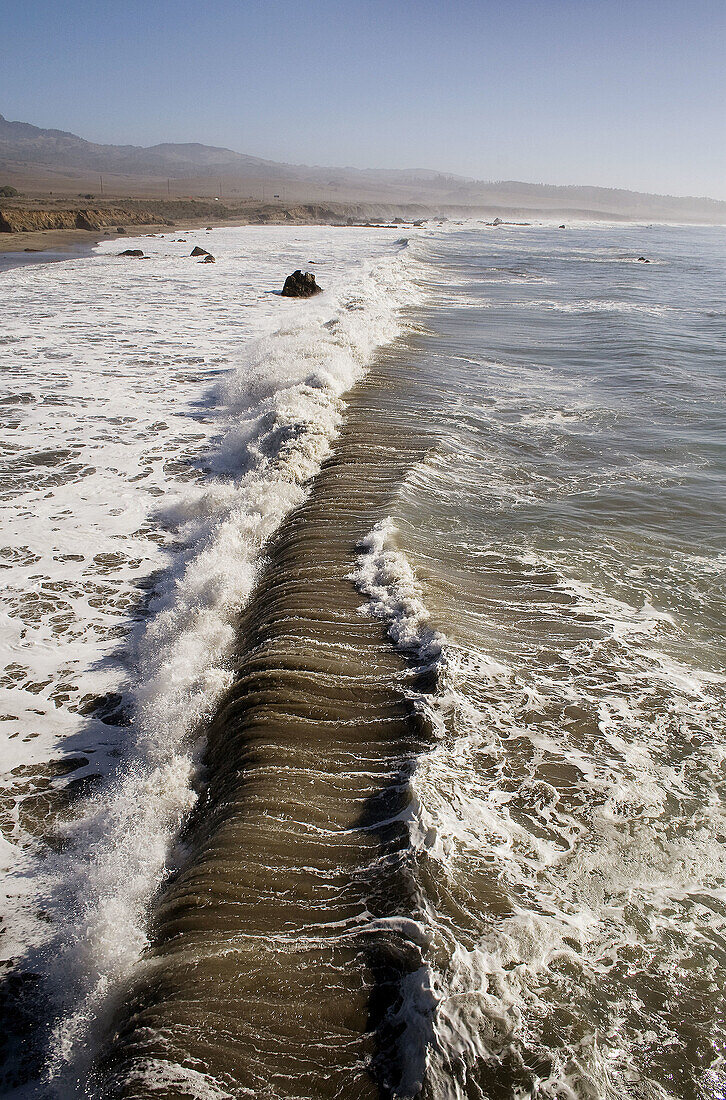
277	411
484	983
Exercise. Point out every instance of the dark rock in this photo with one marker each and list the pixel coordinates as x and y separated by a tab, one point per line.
32	250
132	252
562	227
642	260
209	229
120	229
300	285
208	259
197	251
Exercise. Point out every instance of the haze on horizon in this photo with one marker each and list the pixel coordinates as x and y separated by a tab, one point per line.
609	94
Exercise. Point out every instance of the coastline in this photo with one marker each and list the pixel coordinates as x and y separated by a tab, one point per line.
36	227
52	245
22	247
45	246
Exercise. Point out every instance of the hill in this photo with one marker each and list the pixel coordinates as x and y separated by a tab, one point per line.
39	161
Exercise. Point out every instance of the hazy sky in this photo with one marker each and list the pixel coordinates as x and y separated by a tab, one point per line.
625	94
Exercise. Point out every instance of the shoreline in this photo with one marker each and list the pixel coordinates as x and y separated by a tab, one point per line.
53	245
39	227
49	245
26	247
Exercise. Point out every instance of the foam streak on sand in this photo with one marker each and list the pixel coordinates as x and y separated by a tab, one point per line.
278	405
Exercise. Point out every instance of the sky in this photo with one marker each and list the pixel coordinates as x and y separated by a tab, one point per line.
616	94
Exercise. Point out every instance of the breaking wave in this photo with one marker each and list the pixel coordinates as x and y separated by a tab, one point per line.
284	404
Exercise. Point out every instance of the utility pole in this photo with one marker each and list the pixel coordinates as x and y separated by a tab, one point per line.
101	179
168	189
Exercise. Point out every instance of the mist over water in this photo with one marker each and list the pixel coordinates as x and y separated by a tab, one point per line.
422	793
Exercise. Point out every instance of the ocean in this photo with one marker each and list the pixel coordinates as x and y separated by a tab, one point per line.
363	666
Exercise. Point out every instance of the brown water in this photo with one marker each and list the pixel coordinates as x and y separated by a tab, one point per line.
276	961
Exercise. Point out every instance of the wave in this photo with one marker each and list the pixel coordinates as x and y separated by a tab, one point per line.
596	305
395	597
561	827
385	576
284	404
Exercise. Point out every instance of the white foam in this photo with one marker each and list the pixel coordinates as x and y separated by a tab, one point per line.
385	576
585	866
266	426
163	1076
597	305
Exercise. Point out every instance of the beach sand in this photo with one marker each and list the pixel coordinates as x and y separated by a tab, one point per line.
59	243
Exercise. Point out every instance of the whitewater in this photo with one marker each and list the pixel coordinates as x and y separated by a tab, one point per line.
159	427
363	675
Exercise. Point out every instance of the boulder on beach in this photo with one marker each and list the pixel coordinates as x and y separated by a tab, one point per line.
197	251
120	229
301	284
208	259
131	252
642	260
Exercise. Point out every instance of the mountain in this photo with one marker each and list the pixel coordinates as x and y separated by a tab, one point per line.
40	160
31	146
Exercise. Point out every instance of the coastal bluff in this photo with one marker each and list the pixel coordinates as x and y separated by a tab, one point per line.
19	220
38	215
